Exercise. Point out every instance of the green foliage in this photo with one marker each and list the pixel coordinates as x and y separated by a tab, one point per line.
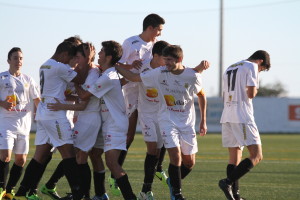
271	90
275	178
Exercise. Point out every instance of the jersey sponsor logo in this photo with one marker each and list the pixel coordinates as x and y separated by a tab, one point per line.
171	101
12	99
152	92
176	91
45	67
135	41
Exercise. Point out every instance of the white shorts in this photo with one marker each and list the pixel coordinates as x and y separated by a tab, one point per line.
150	128
99	144
239	135
131	94
114	141
174	137
86	130
54	132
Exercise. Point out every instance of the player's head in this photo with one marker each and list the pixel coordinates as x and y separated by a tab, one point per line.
65	51
153	23
15	58
173	56
111	51
76	40
80	54
262	58
157	52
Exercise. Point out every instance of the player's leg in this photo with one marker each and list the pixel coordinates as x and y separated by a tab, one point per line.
98	173
84	173
188	162
111	158
160	173
5	156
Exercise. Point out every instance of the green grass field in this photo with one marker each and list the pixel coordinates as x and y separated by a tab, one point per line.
276	177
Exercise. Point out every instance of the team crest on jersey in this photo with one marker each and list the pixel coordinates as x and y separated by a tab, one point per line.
26	85
186	85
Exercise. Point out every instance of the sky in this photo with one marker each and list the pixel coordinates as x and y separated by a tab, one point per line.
38	26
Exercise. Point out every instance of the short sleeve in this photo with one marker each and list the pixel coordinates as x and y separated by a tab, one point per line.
252	75
34	90
102	85
150	77
126	51
66	72
198	83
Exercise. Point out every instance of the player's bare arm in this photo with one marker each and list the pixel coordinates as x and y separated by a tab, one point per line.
83	94
251	91
204	65
61	106
129	75
137	64
202	106
6	104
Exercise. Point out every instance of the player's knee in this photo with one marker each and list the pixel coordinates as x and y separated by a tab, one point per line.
189	164
20	162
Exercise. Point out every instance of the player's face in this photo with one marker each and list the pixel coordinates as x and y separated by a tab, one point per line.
156	31
81	60
161	60
171	63
261	68
102	57
16	61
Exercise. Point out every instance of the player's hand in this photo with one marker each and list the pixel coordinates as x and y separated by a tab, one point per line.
204	65
55	106
7	104
203	129
89	51
137	64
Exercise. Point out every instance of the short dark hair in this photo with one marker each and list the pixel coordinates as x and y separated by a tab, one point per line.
153	20
113	49
14	49
262	55
174	51
66	47
76	40
81	47
158	47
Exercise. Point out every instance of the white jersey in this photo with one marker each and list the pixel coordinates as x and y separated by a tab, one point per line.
176	94
108	87
238	107
54	77
94	103
20	91
148	96
134	48
70	90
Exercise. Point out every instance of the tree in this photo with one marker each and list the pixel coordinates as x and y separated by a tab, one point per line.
271	90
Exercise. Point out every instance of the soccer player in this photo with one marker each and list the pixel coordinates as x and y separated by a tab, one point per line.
148	108
17	92
113	113
136	49
176	86
53	127
240	84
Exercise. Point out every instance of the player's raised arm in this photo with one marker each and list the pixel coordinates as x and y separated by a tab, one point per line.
204	65
202	106
61	106
129	75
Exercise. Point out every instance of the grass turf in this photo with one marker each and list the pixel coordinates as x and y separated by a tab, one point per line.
276	177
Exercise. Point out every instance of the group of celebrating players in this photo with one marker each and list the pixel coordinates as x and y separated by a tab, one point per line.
84	110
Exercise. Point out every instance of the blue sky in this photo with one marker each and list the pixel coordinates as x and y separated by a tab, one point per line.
38	26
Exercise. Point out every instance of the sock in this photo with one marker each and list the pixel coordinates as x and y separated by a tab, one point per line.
29	178
161	157
125	187
149	169
14	176
85	179
184	171
4	168
175	178
70	168
99	183
235	185
58	174
33	188
244	167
